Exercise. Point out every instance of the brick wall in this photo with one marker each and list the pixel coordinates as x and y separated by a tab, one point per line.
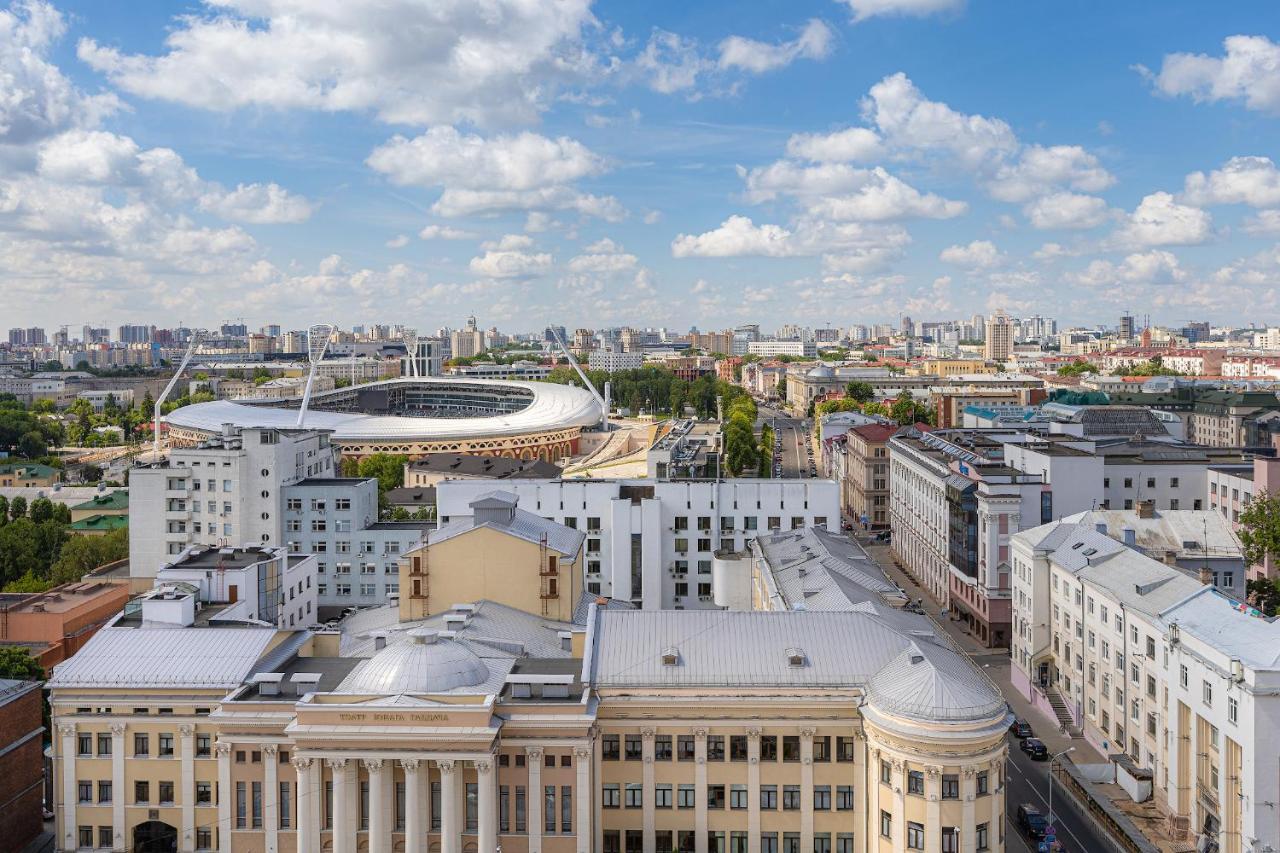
21	771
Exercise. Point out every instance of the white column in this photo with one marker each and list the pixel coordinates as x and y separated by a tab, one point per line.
449	829
933	807
67	746
582	756
899	804
226	797
997	782
379	826
415	818
307	825
700	791
753	791
646	778
187	795
271	797
533	798
343	831
117	786
872	781
487	807
968	826
806	789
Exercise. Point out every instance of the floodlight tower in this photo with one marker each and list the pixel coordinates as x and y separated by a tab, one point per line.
603	401
317	342
410	338
197	337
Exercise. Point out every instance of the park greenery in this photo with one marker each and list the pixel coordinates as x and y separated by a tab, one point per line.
859	397
1151	367
1079	367
39	551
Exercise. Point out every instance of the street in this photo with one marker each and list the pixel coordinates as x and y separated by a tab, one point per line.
795	458
1027	781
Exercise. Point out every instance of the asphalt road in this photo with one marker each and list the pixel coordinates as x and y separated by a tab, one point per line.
795	459
1028	782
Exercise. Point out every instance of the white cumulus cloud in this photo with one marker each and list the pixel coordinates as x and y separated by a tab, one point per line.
1254	181
1159	220
979	254
758	57
1066	210
1248	71
863	9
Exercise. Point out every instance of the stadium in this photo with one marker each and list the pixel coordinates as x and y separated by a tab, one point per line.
417	416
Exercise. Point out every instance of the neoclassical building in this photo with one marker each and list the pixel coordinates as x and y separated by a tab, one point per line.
490	726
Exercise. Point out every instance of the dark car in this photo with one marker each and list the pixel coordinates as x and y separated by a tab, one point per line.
1021	729
1034	748
1031	821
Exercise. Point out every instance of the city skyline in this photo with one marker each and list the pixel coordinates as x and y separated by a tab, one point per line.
603	165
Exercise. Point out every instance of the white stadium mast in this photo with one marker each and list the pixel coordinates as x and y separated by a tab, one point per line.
603	401
317	342
197	338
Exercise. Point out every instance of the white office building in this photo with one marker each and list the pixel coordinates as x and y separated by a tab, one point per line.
772	349
653	542
611	360
1147	662
269	487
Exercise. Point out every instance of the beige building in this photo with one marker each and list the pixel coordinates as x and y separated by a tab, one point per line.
944	367
998	345
865	490
492	725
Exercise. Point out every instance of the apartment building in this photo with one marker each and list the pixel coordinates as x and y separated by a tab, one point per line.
953	504
269	487
1146	661
998	339
267	585
611	361
773	349
865	486
1233	418
489	726
652	541
1232	488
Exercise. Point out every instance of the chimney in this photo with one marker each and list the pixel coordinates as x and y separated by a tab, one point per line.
1130	537
1146	509
379	641
1206	577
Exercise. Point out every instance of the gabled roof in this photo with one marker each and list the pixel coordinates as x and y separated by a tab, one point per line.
523	525
199	658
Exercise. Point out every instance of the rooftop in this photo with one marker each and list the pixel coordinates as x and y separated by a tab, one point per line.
100	522
495	467
116	499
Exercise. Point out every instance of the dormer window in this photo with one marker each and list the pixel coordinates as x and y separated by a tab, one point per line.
795	657
671	656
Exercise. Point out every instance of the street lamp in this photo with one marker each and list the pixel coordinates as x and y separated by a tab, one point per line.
1052	759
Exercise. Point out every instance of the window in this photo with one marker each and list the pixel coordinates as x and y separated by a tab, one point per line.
715	747
950	787
685	795
886	824
1233	710
768	797
790	797
915	782
1208	694
737	747
822	797
984	783
141	745
844	798
104	791
86	836
915	836
715	796
104	744
204	746
84	791
609	747
204	793
566	809
684	747
1182	674
84	744
635	795
791	748
634	747
981	836
822	748
845	748
165	747
611	796
165	790
886	772
737	796
768	747
662	796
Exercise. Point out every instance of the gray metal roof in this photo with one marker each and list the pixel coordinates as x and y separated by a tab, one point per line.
814	569
525	525
1221	623
202	658
838	649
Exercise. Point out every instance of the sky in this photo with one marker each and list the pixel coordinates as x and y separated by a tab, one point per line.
823	162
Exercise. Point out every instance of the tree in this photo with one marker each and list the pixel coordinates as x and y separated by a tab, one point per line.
90	473
387	467
82	554
32	445
1259	530
41	510
17	662
862	392
1264	594
18	508
828	407
43	406
4	510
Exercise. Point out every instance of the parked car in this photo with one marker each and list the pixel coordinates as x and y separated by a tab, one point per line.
1031	821
1034	748
1021	729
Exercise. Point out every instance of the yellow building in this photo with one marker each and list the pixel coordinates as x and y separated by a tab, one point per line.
947	367
500	553
490	725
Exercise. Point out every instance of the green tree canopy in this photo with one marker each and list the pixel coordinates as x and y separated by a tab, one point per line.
17	662
1259	530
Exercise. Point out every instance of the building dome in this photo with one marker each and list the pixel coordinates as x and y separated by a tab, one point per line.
821	372
426	663
933	685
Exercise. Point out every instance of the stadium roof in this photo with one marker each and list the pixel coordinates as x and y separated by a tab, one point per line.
552	407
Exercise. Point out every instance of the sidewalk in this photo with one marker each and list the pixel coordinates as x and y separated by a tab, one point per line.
995	662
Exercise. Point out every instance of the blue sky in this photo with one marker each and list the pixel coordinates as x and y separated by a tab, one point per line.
841	162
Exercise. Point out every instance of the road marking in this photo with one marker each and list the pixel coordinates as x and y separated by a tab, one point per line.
1059	824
